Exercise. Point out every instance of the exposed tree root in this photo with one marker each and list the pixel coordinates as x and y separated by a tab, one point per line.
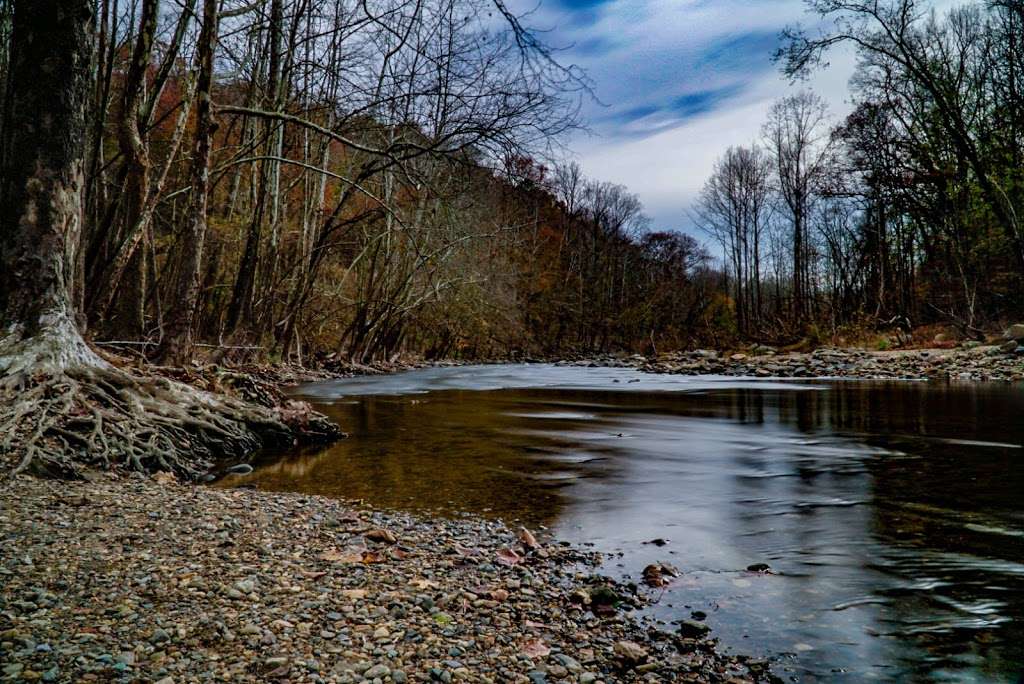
56	418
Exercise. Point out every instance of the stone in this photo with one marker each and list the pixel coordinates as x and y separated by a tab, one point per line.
568	662
630	653
692	629
378	670
1015	332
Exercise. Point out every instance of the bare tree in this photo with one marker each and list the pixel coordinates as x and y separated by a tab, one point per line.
797	136
734	210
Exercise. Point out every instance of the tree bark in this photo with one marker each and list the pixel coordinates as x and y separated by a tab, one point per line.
42	159
177	342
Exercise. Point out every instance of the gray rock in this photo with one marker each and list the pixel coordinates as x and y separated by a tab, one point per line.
691	629
568	662
378	670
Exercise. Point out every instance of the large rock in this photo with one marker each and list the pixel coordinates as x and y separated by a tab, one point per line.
1015	332
630	653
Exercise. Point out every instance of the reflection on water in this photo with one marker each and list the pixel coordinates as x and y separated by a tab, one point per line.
892	512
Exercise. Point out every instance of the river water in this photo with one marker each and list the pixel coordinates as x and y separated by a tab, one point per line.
891	514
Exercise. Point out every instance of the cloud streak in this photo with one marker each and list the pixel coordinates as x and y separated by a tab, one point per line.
681	80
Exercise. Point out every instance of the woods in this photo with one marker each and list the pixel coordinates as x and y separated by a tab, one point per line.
350	180
906	212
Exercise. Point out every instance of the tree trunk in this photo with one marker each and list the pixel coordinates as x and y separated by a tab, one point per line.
42	158
177	342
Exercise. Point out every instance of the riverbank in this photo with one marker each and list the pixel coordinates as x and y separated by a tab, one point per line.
129	578
981	363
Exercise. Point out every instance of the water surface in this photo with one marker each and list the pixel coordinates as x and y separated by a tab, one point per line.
892	513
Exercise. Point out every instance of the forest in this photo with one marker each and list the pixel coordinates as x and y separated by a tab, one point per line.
329	179
905	213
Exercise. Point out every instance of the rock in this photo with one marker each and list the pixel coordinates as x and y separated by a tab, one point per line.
240	469
630	653
1015	332
658	574
381	535
378	670
568	662
1008	347
691	629
246	575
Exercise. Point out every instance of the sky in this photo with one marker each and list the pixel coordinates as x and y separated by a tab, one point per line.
679	81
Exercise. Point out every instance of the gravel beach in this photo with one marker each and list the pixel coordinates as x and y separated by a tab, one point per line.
135	579
981	363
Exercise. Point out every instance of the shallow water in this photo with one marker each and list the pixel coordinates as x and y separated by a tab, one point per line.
892	513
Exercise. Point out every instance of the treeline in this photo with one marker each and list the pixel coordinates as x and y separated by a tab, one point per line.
909	211
353	180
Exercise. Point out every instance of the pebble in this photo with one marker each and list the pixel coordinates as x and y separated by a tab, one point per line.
1001	362
251	586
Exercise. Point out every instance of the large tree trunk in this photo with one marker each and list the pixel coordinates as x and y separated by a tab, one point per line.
42	157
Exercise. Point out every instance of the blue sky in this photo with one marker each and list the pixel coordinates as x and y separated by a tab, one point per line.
680	81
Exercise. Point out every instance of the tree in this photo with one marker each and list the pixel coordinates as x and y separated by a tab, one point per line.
176	345
934	57
62	405
733	209
797	137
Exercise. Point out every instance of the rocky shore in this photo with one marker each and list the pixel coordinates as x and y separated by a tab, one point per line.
970	363
136	579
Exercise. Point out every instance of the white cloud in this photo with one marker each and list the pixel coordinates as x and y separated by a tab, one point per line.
650	52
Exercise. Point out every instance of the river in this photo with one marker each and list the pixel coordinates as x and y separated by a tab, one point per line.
891	514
